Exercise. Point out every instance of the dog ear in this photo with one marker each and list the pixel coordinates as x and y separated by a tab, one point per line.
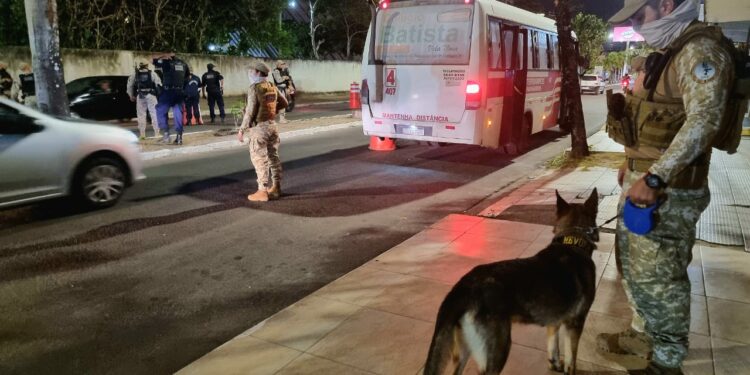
592	203
562	205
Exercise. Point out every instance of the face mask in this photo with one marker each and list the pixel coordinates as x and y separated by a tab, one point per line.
662	32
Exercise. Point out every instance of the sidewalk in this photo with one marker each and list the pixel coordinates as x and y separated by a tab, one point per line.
379	318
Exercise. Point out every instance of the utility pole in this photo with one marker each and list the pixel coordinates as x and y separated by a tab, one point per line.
44	41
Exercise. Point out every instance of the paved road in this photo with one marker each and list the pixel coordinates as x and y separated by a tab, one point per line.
184	262
299	113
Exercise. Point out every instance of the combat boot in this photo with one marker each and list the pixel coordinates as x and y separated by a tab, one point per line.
178	139
628	342
258	196
143	135
275	192
657	369
282	118
165	138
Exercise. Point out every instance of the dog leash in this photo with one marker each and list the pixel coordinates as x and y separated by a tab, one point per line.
609	221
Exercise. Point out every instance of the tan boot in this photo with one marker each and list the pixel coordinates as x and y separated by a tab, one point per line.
258	196
628	342
275	192
282	118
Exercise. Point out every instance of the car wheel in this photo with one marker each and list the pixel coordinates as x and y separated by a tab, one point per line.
100	182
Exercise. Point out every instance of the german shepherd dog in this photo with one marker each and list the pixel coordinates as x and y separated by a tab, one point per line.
554	288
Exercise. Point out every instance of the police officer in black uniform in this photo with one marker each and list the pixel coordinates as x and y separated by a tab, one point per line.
192	99
175	72
213	83
27	94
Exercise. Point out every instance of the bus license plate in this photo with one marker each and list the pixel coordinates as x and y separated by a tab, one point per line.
411	130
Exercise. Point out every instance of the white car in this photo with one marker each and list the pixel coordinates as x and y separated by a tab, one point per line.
592	83
43	157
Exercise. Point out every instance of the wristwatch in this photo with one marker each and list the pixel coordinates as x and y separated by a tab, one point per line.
655	182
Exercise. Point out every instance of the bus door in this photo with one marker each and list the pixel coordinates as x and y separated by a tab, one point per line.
515	47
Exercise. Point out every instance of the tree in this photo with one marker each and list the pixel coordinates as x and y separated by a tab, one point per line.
572	117
13	30
314	25
345	27
591	32
613	62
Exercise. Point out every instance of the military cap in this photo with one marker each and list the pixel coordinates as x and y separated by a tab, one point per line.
261	67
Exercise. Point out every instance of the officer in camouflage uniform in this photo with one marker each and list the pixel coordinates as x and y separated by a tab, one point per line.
142	89
258	122
6	81
675	117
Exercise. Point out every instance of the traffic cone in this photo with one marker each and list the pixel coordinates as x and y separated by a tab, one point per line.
382	144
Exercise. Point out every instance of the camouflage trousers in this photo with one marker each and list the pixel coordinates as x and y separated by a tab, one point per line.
143	105
264	153
654	270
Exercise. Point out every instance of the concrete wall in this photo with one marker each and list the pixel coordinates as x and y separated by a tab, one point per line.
309	75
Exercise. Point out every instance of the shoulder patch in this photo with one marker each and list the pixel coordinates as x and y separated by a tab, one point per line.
704	71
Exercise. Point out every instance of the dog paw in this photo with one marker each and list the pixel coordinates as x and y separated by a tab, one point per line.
555	365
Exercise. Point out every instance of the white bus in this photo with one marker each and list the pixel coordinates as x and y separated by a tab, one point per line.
460	71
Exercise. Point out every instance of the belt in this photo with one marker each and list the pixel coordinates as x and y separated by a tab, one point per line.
694	176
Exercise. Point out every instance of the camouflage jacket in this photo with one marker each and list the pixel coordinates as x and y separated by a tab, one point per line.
699	77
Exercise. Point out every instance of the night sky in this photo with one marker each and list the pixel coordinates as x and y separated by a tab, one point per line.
602	8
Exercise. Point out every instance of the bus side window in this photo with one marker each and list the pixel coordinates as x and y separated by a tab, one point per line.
541	41
533	59
495	49
554	52
507	52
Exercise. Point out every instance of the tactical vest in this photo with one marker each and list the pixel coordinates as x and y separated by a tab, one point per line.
212	82
27	84
174	78
656	123
144	84
265	94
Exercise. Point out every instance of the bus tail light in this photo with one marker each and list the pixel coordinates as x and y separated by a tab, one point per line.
384	4
365	92
473	95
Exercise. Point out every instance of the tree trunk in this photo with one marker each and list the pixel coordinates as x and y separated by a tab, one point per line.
313	28
44	41
571	89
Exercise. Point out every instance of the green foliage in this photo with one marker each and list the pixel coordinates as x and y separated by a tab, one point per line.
614	61
190	26
591	32
13	31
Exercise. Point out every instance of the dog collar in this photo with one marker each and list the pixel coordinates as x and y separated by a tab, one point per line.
573	240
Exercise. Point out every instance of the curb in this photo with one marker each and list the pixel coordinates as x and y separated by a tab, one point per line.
303	105
226	145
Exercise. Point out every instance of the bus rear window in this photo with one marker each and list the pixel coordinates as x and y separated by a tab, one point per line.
424	35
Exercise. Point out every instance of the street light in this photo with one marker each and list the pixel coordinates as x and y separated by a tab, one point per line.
292	4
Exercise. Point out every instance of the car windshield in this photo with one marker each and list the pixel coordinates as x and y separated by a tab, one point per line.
589	78
81	85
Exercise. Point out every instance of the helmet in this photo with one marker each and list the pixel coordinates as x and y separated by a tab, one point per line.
261	67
